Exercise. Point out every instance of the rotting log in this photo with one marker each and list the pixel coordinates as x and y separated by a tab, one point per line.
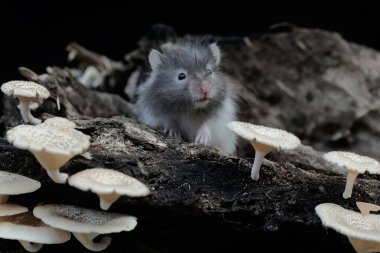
201	199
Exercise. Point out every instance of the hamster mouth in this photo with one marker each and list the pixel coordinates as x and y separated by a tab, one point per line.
204	99
201	102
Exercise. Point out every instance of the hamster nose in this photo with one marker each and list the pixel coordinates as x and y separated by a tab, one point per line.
204	88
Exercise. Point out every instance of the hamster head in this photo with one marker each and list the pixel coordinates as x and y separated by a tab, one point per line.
187	75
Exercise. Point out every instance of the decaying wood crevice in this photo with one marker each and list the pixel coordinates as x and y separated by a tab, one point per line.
312	83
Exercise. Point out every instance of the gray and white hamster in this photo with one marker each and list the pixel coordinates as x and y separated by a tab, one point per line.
187	95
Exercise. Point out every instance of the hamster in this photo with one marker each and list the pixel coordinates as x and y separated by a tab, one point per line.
186	95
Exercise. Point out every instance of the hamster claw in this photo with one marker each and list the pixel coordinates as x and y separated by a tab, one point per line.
172	132
203	136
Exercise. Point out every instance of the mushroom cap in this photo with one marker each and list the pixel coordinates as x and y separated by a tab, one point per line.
83	220
106	181
11	209
60	123
273	137
351	161
13	184
26	227
25	89
52	140
350	223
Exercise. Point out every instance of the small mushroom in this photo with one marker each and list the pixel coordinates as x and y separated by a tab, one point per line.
27	92
108	184
363	231
11	209
85	224
14	184
264	140
52	146
366	208
31	232
352	164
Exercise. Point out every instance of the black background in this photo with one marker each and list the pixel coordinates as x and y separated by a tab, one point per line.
35	34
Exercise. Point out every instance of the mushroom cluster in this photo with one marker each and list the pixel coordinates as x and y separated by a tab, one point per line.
53	143
361	228
54	223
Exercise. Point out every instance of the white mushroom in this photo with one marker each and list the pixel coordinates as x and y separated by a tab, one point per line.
352	164
11	209
85	224
31	232
363	231
366	208
14	184
52	146
26	92
264	140
108	184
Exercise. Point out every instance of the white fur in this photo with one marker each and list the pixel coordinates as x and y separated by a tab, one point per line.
221	135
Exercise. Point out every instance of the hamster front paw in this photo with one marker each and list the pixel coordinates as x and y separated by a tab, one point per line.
203	135
172	132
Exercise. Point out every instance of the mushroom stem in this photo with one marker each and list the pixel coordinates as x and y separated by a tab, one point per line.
363	246
25	111
259	156
366	208
86	239
351	176
3	198
53	164
106	200
58	102
31	247
261	151
57	177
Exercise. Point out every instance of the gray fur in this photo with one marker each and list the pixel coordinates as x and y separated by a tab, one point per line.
172	105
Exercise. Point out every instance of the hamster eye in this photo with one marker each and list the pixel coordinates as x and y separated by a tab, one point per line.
181	76
208	71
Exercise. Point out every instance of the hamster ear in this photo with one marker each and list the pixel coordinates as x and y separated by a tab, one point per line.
215	52
154	59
